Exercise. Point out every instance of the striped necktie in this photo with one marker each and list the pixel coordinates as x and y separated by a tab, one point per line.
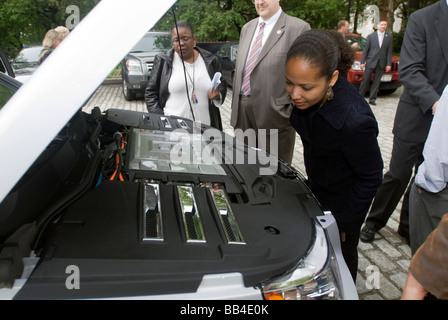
253	55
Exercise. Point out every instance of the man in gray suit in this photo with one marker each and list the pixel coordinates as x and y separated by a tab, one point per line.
376	57
424	73
260	100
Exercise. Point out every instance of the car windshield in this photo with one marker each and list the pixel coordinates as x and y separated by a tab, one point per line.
234	52
361	41
28	55
153	43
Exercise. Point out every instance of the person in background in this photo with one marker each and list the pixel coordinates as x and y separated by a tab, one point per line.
375	59
170	91
260	100
51	40
338	131
424	74
428	271
61	29
343	28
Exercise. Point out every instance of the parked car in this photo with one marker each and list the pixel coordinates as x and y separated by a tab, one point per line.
228	53
5	66
26	62
390	81
126	204
211	46
137	65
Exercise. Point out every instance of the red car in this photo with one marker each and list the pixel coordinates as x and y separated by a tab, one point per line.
390	81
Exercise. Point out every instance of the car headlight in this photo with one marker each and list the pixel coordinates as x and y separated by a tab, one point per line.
356	66
316	277
133	65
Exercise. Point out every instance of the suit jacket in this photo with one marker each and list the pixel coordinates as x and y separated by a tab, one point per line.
423	71
372	53
268	76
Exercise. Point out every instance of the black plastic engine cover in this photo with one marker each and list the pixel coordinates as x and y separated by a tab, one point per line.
103	235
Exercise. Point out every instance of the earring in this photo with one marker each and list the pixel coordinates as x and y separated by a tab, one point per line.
330	94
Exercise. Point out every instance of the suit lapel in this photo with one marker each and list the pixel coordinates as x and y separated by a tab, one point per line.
440	24
245	43
274	36
375	39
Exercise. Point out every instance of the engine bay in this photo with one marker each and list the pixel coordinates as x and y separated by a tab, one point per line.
151	220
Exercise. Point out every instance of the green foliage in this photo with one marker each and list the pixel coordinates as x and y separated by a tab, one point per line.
24	22
320	14
222	20
212	20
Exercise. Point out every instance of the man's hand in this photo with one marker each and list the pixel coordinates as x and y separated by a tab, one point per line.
434	107
413	290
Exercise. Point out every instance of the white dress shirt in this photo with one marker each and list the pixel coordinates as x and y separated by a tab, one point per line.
267	28
433	172
381	37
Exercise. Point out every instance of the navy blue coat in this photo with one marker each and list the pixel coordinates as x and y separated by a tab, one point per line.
342	157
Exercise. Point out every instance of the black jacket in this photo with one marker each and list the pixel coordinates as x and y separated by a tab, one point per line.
342	157
156	93
423	71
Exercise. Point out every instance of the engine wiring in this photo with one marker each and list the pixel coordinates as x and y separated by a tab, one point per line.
113	167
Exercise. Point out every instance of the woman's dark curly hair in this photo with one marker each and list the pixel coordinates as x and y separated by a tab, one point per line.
346	53
326	50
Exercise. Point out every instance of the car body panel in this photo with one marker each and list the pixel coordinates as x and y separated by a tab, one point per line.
228	53
211	46
26	62
5	66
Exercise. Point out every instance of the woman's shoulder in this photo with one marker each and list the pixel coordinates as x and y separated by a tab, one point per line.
359	111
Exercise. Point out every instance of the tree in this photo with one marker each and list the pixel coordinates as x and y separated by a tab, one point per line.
25	22
212	20
223	19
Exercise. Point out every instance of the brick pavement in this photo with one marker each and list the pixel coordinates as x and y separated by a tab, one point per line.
383	264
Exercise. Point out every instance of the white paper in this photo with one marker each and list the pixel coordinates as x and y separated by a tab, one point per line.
216	80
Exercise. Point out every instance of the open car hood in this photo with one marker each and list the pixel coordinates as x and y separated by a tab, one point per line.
74	75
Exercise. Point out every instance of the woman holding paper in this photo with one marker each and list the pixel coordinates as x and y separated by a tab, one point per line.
182	80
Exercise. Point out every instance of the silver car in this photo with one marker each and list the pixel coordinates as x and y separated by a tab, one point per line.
137	65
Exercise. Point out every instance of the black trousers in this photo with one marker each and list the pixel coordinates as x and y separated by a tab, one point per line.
406	156
349	249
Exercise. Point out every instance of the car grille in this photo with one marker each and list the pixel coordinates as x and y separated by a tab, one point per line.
152	215
193	231
149	65
394	66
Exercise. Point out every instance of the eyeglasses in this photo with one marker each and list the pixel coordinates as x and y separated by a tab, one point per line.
184	40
